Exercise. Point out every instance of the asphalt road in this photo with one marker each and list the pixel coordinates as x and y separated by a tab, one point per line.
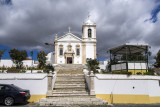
114	105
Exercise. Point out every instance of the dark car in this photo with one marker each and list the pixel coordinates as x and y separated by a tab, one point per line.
10	94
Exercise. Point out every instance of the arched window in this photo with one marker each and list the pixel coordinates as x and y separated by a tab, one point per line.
60	49
77	50
89	33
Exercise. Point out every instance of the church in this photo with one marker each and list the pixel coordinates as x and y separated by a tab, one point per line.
70	49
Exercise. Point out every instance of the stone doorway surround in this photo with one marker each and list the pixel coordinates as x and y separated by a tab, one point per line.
69	55
69	60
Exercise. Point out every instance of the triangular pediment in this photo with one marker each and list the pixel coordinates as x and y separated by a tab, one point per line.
69	37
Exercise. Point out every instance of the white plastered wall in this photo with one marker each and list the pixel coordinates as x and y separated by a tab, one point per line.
36	83
89	50
61	59
122	84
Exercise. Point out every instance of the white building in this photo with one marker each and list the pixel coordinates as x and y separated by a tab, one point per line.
70	49
103	64
9	63
50	58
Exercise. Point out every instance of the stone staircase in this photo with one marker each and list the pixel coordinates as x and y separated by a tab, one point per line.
69	67
70	90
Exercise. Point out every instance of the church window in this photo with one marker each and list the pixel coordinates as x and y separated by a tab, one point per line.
78	52
60	49
89	33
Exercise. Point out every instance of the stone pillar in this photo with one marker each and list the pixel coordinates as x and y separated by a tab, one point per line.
91	76
50	77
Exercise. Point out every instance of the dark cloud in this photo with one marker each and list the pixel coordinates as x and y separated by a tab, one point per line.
28	24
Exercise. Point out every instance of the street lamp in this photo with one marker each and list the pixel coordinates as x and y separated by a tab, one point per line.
49	44
32	61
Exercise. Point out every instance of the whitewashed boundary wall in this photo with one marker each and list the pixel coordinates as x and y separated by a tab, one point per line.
127	89
36	83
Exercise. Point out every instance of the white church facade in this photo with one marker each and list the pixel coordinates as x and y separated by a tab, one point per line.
70	49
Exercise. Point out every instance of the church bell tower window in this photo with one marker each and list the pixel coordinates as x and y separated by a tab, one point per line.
89	33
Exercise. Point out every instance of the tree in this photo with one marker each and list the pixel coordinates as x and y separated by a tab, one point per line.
133	57
109	66
18	56
92	64
1	53
157	58
41	56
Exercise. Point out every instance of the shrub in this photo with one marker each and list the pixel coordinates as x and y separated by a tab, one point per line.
92	65
150	72
120	72
48	68
139	73
103	71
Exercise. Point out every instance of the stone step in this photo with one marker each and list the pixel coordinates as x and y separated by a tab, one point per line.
70	82
69	74
69	79
72	101
70	89
70	85
68	92
71	96
75	104
54	97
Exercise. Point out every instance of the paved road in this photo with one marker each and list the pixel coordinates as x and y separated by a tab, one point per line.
114	105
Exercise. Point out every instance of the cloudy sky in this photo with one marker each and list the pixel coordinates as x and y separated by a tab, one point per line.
28	24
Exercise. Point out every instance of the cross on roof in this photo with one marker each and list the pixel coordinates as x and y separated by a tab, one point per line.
89	15
69	28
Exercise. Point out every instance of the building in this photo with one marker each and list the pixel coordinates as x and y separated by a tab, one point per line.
50	58
70	49
8	63
130	57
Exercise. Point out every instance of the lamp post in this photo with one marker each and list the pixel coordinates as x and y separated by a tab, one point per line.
32	61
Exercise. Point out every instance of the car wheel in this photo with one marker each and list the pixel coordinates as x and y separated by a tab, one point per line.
8	101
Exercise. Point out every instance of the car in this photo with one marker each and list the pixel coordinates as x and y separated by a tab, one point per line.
11	94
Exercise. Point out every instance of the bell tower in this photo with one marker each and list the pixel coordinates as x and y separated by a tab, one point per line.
89	30
88	40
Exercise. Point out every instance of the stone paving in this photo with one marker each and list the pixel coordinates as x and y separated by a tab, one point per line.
114	105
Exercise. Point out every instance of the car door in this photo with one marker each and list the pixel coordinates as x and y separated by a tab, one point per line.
2	89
